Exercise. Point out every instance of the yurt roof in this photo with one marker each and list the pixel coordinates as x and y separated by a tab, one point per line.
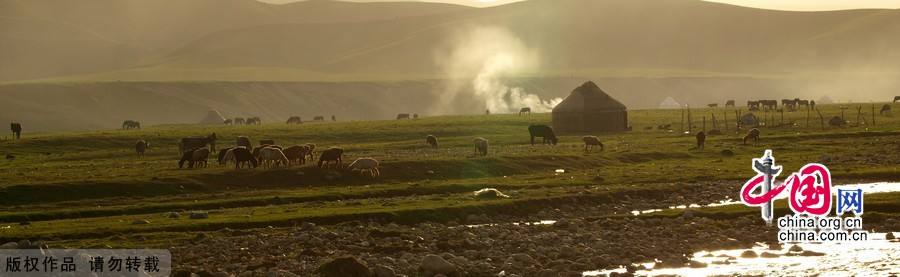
588	97
212	117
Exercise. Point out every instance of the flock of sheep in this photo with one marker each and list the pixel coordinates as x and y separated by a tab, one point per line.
195	151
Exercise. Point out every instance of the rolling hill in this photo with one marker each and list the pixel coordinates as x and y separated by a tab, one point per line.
643	50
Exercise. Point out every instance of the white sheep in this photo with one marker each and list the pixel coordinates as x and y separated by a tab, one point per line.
481	146
366	165
272	157
590	142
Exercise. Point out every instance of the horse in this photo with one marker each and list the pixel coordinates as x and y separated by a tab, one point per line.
701	140
402	116
294	120
131	124
140	147
525	110
197	142
319	118
543	131
729	103
16	129
752	134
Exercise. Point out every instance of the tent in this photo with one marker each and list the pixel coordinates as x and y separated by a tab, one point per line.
669	103
213	117
589	109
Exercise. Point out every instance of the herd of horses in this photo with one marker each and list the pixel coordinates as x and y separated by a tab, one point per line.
243	121
771	105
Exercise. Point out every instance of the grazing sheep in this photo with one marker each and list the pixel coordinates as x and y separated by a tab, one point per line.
16	128
186	156
243	156
140	147
525	110
365	166
402	116
296	153
431	140
273	157
200	158
590	142
331	156
481	146
243	141
319	118
701	140
131	124
258	149
294	120
543	131
221	156
754	135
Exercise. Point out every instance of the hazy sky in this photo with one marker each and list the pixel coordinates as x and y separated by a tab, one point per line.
801	5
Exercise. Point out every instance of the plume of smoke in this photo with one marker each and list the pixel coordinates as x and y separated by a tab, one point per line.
478	63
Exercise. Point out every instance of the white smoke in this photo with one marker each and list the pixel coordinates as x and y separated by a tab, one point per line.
477	64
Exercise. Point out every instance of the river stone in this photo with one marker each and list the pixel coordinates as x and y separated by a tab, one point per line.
490	193
344	267
199	215
434	265
748	254
807	253
889	236
769	255
383	271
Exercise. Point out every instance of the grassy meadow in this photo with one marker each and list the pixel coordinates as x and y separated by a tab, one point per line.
88	188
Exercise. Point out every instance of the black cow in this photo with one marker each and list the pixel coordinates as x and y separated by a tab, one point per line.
543	131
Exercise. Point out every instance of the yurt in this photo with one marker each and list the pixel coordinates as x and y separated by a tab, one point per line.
669	103
213	117
589	109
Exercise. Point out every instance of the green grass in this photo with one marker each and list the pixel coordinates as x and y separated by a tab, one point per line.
82	187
